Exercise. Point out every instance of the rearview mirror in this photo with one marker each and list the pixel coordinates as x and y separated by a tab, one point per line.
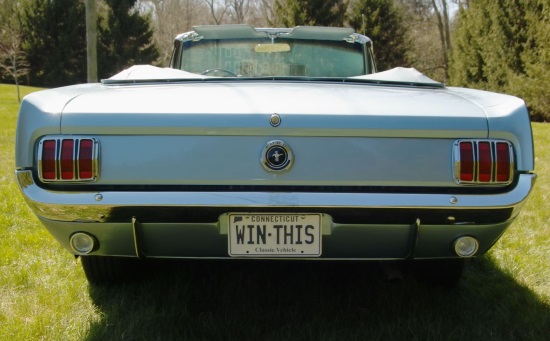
270	48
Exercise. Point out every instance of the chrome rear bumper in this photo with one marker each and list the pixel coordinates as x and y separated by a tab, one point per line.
414	226
106	206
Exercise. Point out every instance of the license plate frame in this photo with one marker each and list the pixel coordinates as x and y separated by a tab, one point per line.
274	235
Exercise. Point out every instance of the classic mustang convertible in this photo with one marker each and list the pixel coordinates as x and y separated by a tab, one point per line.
275	144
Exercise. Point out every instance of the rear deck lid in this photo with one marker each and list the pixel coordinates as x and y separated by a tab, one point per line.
243	107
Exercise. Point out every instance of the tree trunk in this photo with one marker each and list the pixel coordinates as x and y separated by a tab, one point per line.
443	40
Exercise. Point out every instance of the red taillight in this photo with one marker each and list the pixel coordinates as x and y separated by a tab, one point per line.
503	162
86	159
467	163
483	162
68	159
49	159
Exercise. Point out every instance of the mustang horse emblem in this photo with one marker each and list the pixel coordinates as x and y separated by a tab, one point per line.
277	156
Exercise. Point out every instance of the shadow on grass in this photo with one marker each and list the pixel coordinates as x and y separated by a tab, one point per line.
281	300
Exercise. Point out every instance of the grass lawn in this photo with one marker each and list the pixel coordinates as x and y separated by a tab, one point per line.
504	295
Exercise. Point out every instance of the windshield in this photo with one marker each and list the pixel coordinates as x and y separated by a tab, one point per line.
261	57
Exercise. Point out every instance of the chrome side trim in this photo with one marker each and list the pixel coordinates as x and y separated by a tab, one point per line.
84	207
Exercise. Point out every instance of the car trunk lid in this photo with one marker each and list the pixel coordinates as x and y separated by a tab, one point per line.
244	108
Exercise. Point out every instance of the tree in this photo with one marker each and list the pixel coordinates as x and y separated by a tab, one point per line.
503	46
266	7
126	40
172	17
218	9
489	42
382	21
532	81
13	61
239	10
441	10
290	13
428	24
52	35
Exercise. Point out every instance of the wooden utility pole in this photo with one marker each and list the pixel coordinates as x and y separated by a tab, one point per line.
91	40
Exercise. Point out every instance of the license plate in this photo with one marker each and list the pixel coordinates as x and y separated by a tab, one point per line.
274	235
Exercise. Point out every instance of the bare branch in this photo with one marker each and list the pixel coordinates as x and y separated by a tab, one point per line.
217	10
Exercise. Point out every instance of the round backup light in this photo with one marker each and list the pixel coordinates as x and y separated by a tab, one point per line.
466	246
82	243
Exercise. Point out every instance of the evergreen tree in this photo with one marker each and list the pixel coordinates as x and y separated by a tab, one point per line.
382	21
291	13
467	59
503	46
533	83
126	40
53	39
492	35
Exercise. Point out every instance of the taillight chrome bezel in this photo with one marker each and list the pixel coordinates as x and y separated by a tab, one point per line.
61	162
494	177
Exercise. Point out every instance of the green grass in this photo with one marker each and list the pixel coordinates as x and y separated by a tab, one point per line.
504	295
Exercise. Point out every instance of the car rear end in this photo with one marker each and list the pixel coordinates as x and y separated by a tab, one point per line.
273	169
